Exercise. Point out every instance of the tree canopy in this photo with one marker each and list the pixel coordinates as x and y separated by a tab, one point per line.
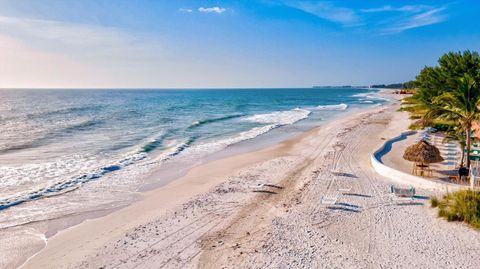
449	94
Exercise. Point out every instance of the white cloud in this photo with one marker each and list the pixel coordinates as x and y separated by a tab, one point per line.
398	19
328	11
66	33
387	8
24	66
56	53
77	39
217	10
430	17
185	10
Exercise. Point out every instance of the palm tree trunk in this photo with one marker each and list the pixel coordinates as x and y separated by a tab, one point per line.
468	140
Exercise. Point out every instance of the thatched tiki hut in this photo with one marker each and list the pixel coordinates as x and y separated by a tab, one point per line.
422	154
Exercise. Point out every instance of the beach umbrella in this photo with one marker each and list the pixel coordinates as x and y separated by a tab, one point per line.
422	152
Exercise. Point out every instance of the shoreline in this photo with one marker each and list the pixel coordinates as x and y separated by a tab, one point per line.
206	218
258	155
52	226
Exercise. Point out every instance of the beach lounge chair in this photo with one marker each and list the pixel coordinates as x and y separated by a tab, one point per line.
259	185
344	190
402	193
329	199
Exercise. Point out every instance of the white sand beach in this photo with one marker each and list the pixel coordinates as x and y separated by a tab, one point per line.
263	209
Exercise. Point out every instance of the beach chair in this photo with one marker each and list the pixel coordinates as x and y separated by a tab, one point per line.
402	193
259	185
345	190
329	199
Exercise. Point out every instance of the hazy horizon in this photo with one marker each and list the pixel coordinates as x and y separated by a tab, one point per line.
189	88
226	44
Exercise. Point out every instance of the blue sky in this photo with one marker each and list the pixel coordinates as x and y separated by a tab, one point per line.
264	43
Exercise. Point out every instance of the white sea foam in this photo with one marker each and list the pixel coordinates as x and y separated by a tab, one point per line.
341	106
174	149
45	179
273	120
371	96
363	94
18	180
217	145
377	97
280	117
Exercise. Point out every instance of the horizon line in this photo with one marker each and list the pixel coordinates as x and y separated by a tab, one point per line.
181	88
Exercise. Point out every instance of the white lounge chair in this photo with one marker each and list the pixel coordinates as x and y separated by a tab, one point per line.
260	185
329	199
402	193
344	189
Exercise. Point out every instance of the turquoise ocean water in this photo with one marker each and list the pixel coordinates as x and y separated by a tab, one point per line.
83	149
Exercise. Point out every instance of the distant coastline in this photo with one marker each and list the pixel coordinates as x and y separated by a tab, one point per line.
404	85
344	86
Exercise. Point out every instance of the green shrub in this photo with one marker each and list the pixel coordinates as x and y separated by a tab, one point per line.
414	126
460	206
434	201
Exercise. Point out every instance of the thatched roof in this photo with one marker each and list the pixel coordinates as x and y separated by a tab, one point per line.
422	152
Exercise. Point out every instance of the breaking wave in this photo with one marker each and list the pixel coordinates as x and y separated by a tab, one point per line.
280	117
332	107
206	121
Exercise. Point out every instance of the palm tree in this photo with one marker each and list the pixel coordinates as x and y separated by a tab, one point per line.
460	106
449	94
434	81
429	83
